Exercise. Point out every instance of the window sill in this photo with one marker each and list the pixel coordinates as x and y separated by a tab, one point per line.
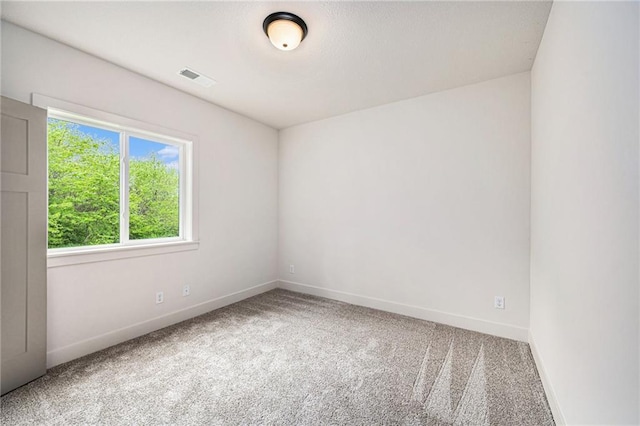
105	254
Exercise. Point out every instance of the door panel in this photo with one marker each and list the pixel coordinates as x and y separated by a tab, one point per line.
14	271
23	243
14	150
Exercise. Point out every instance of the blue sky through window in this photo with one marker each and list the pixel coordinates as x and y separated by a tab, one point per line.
138	147
143	148
96	133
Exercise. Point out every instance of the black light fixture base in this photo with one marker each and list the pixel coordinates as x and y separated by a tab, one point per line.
287	16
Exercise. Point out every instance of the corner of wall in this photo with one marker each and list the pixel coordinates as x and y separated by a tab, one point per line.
558	417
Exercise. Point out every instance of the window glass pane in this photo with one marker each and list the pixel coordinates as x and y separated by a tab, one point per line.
154	189
84	185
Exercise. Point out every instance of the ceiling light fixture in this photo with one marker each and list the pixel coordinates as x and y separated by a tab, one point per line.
285	30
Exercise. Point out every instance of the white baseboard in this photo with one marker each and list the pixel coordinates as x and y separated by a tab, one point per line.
558	417
93	344
468	323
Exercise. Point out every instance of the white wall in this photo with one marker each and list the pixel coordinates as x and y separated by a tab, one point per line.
237	199
423	202
584	253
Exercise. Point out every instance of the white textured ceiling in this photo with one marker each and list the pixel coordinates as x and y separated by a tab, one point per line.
357	54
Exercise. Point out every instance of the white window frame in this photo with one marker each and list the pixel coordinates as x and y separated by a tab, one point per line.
125	248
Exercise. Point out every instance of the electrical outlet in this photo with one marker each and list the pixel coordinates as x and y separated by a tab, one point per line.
186	290
159	297
292	269
498	302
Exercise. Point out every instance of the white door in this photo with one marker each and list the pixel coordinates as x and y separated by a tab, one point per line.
23	243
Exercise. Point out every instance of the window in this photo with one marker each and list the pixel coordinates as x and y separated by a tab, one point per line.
112	186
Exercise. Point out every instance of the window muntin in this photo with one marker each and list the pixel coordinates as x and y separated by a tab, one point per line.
130	190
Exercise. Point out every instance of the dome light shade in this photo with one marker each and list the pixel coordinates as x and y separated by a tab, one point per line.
285	30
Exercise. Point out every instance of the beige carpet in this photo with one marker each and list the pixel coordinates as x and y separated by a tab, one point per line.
290	359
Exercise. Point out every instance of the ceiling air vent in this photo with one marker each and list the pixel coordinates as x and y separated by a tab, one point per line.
195	76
